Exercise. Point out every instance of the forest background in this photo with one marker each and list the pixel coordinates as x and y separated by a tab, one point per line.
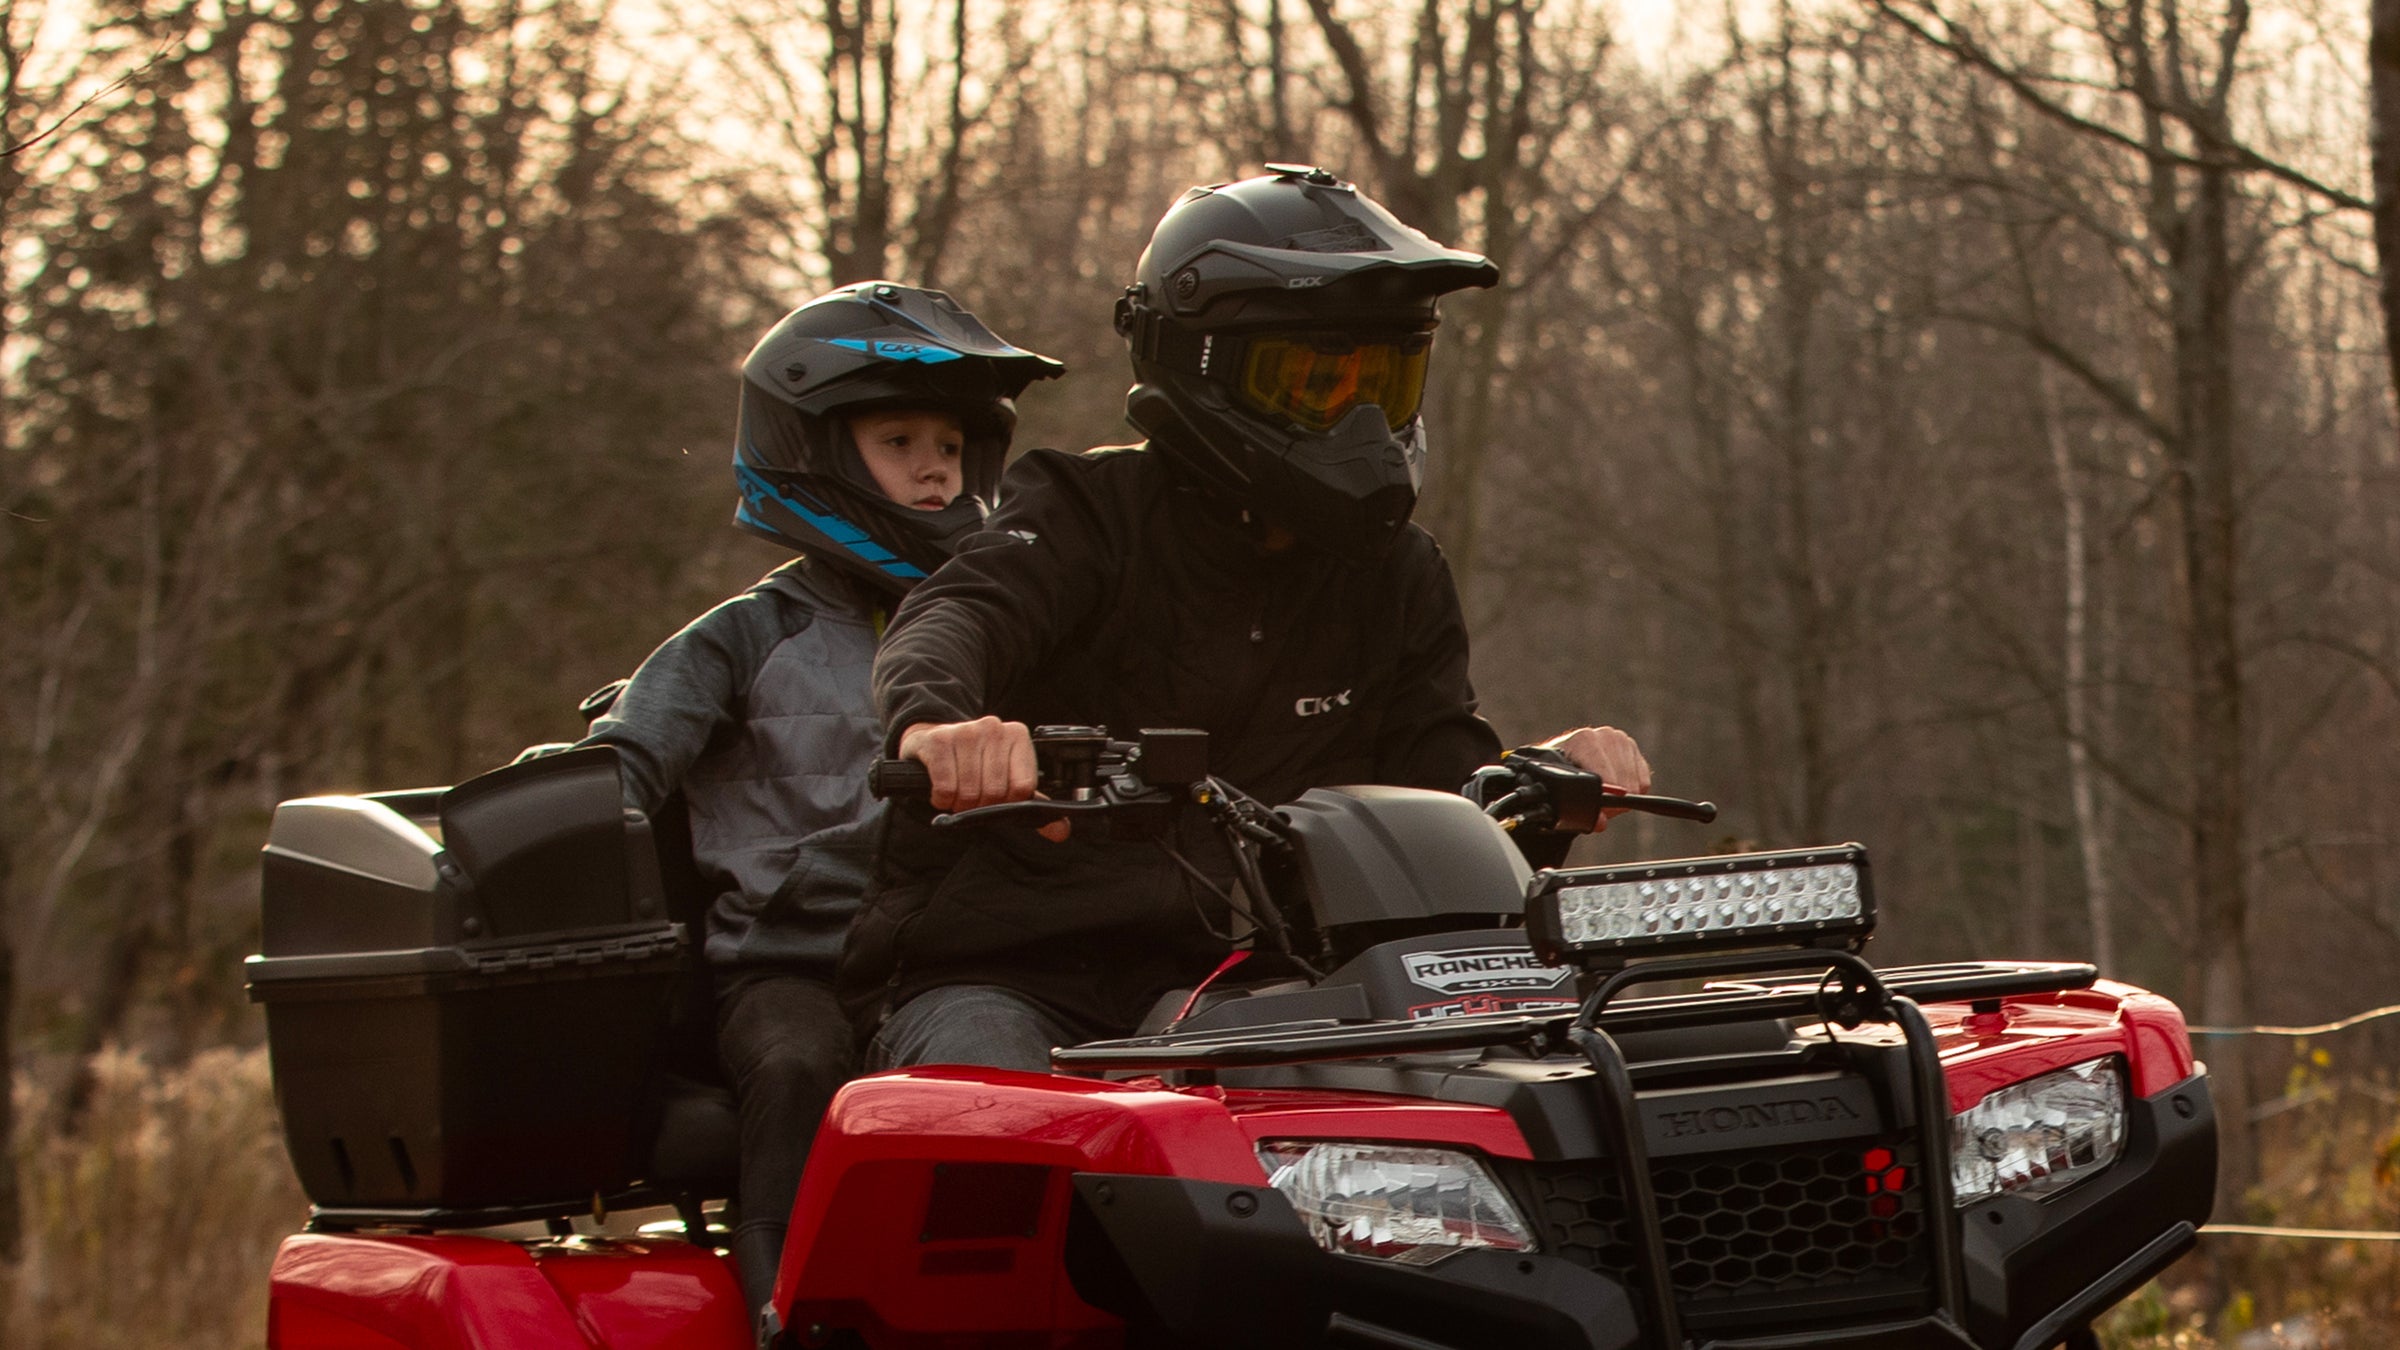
1961	427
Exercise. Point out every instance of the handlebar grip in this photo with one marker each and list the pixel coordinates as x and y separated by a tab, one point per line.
899	780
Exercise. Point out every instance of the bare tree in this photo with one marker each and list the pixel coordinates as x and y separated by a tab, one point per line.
889	126
2383	72
43	93
302	370
1484	123
2075	645
2164	108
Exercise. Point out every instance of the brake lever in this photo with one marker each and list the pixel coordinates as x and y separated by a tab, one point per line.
1042	807
1677	808
1539	788
1702	813
1047	809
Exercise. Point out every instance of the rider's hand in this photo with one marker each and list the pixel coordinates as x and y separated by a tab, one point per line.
1608	752
980	763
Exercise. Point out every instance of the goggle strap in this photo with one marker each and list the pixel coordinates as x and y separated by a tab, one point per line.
1161	341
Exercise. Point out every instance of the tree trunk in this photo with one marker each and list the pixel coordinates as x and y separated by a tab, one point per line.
1798	278
120	979
1454	507
2082	788
12	1203
2383	84
1730	543
2204	478
2033	937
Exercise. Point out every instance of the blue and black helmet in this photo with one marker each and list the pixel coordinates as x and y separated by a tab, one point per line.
871	347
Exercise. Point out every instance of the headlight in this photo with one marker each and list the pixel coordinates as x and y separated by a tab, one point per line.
1391	1201
2041	1135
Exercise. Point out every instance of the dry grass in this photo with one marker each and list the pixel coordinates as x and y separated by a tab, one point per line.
2331	1146
154	1224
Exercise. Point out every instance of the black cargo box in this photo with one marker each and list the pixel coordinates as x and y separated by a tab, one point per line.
470	1019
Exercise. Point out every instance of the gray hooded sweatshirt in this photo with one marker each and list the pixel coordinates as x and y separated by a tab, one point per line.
760	713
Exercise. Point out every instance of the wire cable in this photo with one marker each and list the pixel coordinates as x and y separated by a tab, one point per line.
2308	1234
2325	1028
1194	876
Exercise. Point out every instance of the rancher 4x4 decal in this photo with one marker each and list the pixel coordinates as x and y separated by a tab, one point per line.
1465	970
1487	980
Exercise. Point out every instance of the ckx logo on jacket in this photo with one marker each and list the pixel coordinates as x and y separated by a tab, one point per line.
1310	707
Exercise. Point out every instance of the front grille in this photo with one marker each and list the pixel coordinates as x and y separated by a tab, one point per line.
1782	1227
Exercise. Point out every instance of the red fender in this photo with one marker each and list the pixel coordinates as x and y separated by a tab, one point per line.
340	1291
2030	1036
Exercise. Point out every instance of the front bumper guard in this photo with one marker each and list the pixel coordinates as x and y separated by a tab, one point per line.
1233	1264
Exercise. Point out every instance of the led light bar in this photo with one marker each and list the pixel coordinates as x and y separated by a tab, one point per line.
1606	916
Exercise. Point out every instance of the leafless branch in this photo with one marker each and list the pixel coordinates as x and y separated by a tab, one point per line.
1962	45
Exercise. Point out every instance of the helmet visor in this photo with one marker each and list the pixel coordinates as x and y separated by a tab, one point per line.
1315	379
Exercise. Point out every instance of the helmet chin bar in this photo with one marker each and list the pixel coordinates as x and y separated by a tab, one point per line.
825	518
1347	491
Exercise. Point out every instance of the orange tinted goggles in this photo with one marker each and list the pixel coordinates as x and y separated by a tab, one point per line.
1316	379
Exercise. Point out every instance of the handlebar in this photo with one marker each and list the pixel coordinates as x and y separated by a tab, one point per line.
1138	786
1081	771
1084	771
1538	787
906	780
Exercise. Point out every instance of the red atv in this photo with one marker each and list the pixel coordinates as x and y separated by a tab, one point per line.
1454	1104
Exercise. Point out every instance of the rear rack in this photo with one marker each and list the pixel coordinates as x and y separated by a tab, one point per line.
558	1214
1329	1039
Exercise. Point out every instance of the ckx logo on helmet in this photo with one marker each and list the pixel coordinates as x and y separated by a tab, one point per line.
900	351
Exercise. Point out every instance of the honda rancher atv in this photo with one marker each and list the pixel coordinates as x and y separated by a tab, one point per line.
1449	1103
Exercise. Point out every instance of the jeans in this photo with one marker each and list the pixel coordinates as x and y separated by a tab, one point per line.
785	1047
979	1024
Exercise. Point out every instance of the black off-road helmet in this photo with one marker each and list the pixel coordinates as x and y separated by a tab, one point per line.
1280	327
871	347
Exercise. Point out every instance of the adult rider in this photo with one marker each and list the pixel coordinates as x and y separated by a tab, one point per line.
1249	570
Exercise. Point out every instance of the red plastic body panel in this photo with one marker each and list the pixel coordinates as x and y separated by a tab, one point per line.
860	1252
1983	1052
377	1292
648	1295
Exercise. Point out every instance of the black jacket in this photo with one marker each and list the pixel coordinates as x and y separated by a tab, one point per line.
1103	593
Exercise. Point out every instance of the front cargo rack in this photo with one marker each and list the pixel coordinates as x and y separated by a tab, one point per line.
1330	1039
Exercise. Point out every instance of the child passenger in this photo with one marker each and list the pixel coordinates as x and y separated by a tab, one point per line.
873	425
